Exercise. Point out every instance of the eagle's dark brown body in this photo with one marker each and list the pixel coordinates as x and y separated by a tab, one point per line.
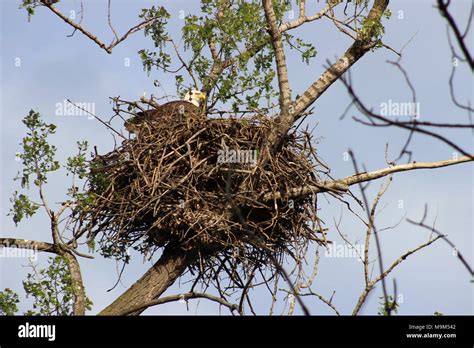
170	114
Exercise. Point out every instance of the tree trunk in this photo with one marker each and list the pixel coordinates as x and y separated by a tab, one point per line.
154	282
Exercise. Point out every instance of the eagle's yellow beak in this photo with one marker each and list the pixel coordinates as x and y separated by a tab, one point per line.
202	96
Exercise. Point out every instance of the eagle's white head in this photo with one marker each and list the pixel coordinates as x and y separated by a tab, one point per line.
196	97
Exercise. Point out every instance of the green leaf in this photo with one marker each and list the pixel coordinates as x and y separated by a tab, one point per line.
52	289
8	302
38	154
22	206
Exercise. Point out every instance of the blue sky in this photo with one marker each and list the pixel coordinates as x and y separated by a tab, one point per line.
55	67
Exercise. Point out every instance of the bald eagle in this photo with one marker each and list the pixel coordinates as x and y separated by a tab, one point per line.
190	108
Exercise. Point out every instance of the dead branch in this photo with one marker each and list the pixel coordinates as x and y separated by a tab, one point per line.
181	297
342	185
100	43
282	71
371	284
303	18
445	238
461	38
372	228
28	244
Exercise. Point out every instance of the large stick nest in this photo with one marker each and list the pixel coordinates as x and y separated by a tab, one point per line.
196	185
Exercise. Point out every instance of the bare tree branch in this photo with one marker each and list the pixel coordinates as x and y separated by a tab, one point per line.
443	7
451	244
303	18
371	284
28	244
282	71
109	17
328	302
284	120
187	296
344	183
101	44
371	227
387	122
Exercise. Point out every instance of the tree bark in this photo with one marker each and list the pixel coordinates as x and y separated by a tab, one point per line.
280	58
172	263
